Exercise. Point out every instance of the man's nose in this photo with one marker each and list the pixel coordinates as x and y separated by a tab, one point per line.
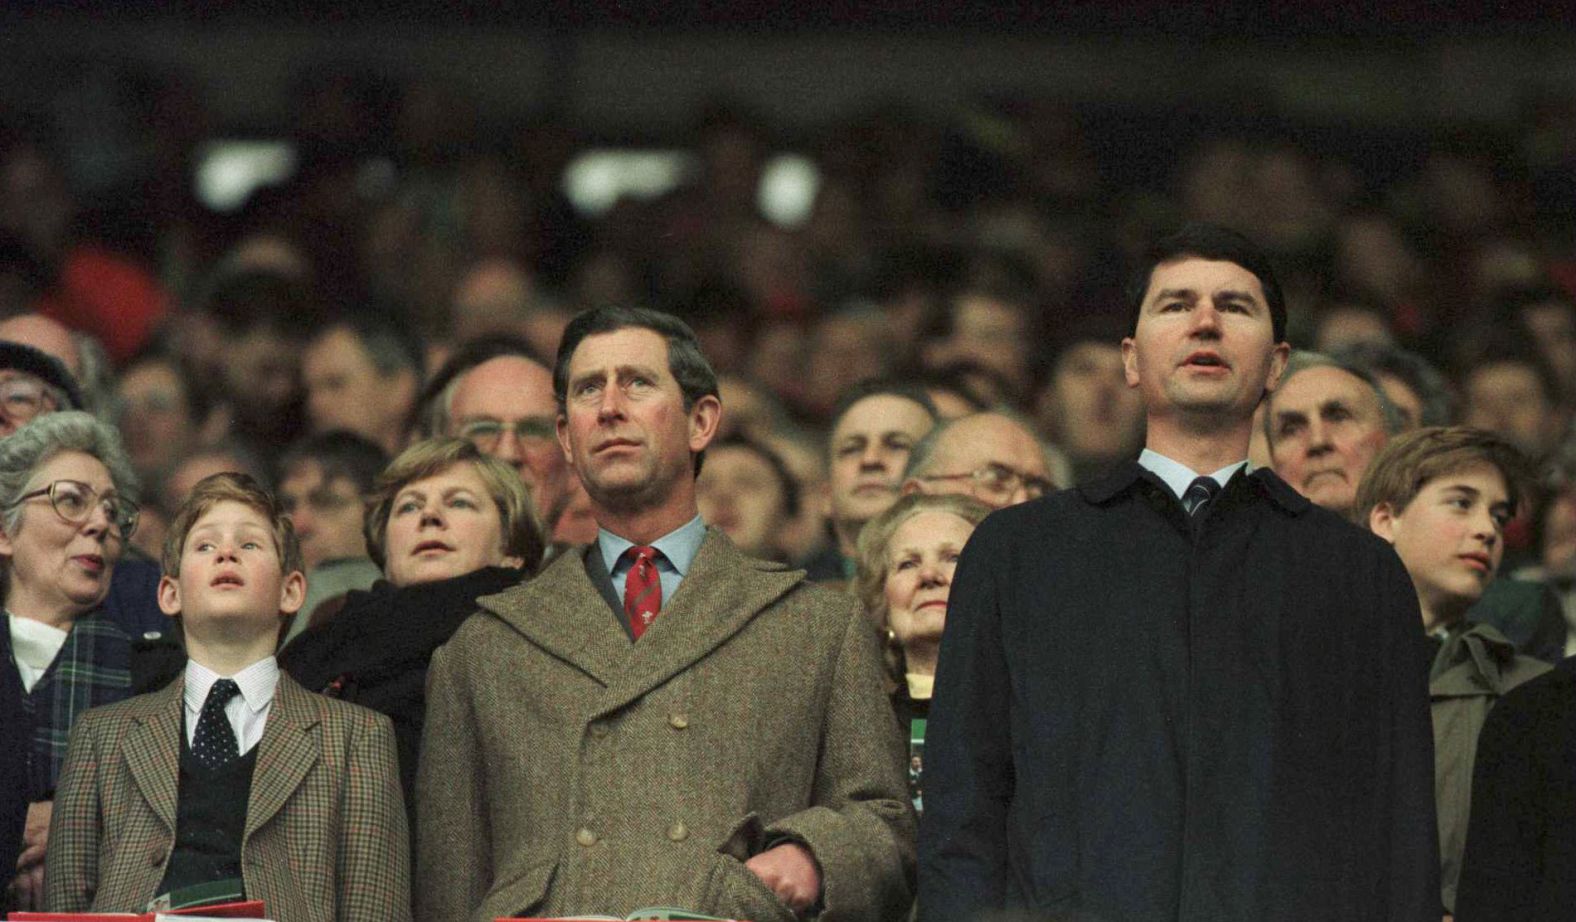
611	406
1319	438
872	456
1205	318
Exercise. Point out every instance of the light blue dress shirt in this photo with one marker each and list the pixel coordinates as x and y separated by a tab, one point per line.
678	548
1179	476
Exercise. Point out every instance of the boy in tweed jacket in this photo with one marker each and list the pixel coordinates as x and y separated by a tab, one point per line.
234	771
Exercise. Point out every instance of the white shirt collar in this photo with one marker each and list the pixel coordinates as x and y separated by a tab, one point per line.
1178	476
257	683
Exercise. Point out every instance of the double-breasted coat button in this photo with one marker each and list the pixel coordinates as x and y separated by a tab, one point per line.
585	837
599	729
678	832
678	721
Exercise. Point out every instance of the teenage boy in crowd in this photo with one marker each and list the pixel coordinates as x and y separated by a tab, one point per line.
233	772
1442	497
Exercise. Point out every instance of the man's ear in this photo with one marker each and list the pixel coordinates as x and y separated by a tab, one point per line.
1278	358
1130	361
6	547
169	596
292	593
563	439
704	418
1383	521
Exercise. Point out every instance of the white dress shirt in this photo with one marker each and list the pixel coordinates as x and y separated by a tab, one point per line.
1179	476
247	711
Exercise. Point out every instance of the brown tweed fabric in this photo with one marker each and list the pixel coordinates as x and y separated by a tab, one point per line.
566	770
325	837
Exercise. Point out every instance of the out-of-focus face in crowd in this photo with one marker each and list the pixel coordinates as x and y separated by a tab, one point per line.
1510	398
988	456
740	493
327	513
1088	408
1326	425
505	407
156	417
869	448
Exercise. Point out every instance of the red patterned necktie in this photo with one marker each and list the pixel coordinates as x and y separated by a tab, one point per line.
642	590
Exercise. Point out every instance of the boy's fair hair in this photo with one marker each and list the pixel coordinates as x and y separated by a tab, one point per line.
231	487
1411	460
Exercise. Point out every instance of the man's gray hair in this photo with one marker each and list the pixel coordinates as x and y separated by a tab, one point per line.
1302	359
33	445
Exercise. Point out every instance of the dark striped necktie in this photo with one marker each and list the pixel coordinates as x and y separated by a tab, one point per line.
1198	495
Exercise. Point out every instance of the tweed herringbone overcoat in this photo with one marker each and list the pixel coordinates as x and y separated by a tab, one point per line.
566	770
325	840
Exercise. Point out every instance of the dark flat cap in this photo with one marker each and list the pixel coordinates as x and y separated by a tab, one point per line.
41	365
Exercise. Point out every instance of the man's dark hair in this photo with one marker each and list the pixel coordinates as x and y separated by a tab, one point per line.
1507	345
432	407
341	454
1411	369
785	477
254	299
1212	242
688	366
685	362
878	387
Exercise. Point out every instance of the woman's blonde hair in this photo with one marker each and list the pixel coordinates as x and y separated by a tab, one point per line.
871	548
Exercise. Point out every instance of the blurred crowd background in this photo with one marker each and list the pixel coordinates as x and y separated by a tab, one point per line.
952	196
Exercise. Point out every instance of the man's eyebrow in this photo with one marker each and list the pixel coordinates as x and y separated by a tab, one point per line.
1186	294
1290	415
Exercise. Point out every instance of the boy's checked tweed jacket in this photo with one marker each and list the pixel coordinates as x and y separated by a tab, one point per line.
326	837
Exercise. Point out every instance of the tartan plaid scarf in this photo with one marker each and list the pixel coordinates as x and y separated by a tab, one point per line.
92	668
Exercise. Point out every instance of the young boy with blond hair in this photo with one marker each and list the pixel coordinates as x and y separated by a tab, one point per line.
234	772
1442	497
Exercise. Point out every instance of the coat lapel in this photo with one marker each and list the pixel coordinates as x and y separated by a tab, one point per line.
565	614
722	592
153	751
288	751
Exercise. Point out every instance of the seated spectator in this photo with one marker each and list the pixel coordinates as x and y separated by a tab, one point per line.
874	427
32	383
66	491
324	483
223	458
362	373
1345	323
746	491
1325	422
990	324
173	771
992	457
906	558
447	524
1549	314
260	317
1442	497
1417	389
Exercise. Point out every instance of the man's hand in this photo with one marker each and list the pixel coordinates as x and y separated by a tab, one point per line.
790	872
27	890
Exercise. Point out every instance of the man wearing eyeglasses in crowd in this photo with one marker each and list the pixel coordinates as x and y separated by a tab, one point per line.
497	394
990	456
32	384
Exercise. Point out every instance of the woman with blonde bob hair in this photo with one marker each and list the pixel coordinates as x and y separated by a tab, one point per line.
447	525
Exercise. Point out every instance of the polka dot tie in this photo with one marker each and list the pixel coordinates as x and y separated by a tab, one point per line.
642	590
214	743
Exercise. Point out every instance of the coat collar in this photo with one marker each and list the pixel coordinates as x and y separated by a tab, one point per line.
1130	474
565	614
284	756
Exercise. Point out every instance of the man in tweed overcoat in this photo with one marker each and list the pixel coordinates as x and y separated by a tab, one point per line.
734	755
305	808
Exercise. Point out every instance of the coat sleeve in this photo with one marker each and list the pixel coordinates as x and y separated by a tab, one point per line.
1412	828
71	867
1501	869
861	826
374	843
453	839
968	750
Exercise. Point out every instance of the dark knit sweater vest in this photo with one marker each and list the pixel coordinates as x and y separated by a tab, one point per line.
210	820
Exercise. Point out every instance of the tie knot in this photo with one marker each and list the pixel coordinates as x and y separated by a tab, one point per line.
1199	493
220	694
641	552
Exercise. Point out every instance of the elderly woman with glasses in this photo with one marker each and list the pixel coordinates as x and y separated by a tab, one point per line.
66	514
447	524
